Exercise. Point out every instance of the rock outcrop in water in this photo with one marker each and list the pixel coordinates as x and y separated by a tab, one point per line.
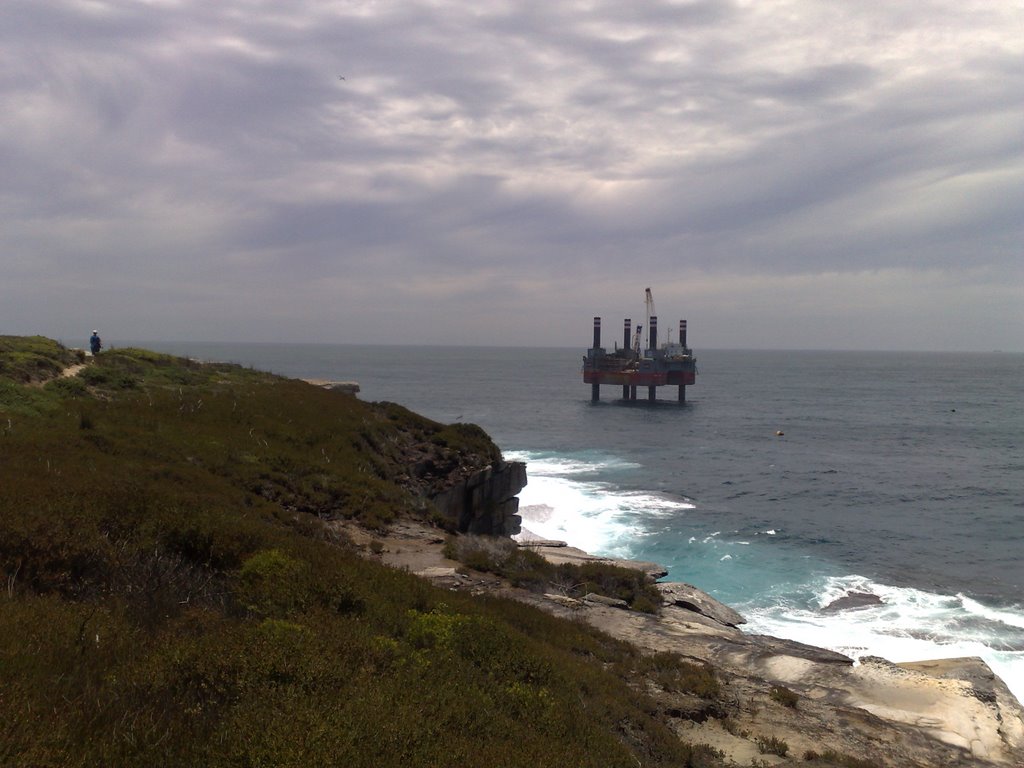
852	601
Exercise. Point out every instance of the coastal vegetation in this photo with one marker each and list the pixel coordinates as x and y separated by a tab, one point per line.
784	696
524	568
26	359
771	745
178	589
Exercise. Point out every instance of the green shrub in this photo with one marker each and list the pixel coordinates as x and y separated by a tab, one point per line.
644	604
68	387
732	727
629	584
18	400
270	583
491	554
107	377
674	674
770	745
525	568
784	696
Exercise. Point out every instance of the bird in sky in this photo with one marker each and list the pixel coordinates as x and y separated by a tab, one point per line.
341	77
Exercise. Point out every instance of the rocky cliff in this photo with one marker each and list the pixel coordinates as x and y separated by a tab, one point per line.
485	502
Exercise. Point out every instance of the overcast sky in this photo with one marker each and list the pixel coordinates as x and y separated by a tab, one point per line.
782	173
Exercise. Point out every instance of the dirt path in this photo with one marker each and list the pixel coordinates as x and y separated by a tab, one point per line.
72	370
67	373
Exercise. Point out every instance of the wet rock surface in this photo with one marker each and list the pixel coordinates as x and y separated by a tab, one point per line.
852	601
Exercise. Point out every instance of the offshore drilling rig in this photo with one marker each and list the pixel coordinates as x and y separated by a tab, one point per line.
636	364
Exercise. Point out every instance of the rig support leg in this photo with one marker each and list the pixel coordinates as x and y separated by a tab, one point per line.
652	394
625	391
595	392
632	392
682	393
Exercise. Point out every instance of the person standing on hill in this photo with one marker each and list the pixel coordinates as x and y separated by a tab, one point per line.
94	343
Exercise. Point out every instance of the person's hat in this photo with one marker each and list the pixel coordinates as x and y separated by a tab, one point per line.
95	331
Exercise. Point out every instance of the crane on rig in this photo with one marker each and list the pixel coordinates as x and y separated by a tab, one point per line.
636	365
650	312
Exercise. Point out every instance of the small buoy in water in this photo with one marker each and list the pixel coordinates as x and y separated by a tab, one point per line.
779	433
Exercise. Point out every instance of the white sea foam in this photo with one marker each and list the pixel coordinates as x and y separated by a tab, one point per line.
909	625
592	515
579	513
1014	618
545	464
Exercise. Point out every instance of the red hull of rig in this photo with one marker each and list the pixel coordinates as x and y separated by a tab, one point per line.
629	367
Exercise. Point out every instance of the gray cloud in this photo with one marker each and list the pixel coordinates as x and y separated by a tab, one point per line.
198	170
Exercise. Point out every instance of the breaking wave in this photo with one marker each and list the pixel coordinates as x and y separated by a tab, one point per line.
780	591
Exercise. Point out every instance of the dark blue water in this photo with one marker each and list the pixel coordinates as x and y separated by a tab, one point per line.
897	473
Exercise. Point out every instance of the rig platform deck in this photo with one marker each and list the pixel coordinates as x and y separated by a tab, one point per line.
630	367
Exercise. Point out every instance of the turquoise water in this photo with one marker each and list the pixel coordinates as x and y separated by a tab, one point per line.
897	474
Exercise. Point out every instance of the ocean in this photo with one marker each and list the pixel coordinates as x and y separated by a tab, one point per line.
897	474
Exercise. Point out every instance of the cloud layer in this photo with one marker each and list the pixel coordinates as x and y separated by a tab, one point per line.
783	173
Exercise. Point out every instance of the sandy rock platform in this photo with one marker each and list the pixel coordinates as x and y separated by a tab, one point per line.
945	712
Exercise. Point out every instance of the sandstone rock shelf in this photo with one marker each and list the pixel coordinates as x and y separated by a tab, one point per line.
951	712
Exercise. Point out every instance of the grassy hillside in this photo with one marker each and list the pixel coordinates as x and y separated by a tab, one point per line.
25	359
175	593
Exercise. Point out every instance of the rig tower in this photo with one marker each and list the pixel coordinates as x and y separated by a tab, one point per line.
631	367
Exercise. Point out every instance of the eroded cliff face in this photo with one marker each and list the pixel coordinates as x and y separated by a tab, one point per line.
485	502
460	471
